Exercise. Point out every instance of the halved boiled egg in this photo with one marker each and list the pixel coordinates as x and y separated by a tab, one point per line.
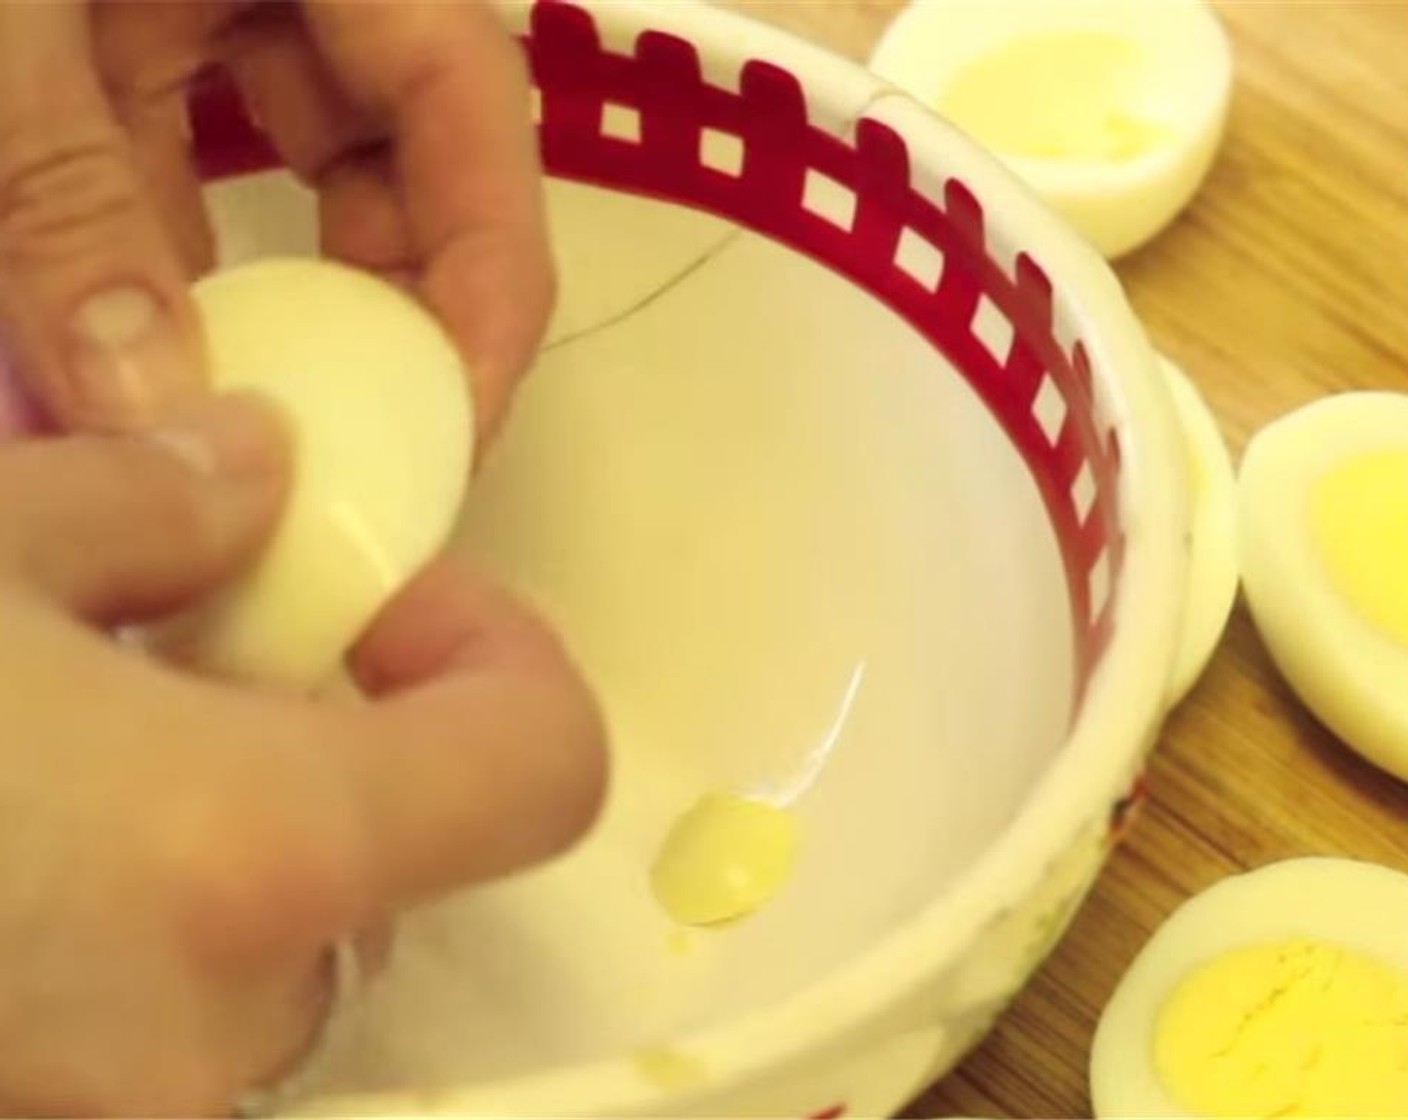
1110	110
1280	992
1323	542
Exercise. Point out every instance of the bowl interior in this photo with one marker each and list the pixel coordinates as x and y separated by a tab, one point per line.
771	522
805	472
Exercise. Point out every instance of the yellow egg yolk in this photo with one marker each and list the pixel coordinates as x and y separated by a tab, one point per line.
1293	1028
1056	95
723	859
1359	521
670	1068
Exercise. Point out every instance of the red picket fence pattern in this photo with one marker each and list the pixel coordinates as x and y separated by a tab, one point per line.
648	122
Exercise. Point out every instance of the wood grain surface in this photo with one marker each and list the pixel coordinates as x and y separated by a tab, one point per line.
1286	279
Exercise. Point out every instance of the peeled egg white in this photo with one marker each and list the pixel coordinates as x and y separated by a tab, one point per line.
1357	906
1110	110
1212	575
1347	670
377	402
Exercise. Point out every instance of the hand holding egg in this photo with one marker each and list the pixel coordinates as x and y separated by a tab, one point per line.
93	298
378	401
188	852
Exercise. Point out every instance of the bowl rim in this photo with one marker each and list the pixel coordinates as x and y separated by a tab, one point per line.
1122	708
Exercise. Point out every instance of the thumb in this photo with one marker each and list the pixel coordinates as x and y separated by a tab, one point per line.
93	304
121	529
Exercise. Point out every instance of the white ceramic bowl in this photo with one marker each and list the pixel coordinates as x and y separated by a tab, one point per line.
830	397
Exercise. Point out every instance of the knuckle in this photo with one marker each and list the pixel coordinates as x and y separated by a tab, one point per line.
181	514
582	787
249	884
164	501
572	774
193	1081
57	189
550	286
174	505
517	70
574	770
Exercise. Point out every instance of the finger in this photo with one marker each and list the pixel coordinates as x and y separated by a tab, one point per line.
325	139
147	51
270	1023
292	91
92	294
362	219
120	529
373	946
20	413
161	149
146	55
453	86
485	753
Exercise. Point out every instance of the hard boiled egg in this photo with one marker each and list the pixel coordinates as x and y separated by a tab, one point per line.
1323	542
376	399
1280	992
1111	110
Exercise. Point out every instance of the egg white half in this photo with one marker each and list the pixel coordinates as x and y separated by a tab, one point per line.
1184	85
1348	672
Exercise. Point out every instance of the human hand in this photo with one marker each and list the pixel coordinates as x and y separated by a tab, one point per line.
410	121
177	855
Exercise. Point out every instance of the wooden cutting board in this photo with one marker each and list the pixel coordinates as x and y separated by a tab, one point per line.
1286	279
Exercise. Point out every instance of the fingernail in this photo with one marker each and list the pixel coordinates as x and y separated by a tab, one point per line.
127	358
235	437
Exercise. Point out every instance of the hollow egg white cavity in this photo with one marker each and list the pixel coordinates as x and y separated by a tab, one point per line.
1110	110
376	400
1279	992
1212	573
1323	548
